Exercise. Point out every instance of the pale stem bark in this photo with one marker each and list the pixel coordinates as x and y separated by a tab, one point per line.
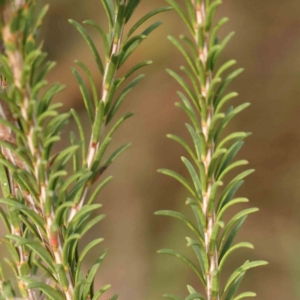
93	148
210	219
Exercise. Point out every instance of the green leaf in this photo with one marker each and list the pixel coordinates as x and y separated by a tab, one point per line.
190	60
189	110
81	131
109	10
199	215
192	78
85	95
118	123
231	113
40	265
83	254
191	114
232	188
101	292
12	250
77	180
197	142
234	287
91	81
8	290
228	205
201	256
183	218
213	196
228	157
224	85
90	43
133	70
229	251
184	144
231	233
62	276
116	154
246	266
130	8
214	235
223	44
245	295
215	30
210	62
183	258
68	243
36	247
32	215
232	166
192	291
215	284
99	154
224	67
122	97
92	273
231	236
5	186
98	189
5	220
233	136
214	161
14	128
64	156
214	121
52	293
81	214
102	33
194	176
88	224
184	85
144	19
98	123
210	14
183	16
179	178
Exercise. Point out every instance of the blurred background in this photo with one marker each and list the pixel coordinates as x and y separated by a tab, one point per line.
267	45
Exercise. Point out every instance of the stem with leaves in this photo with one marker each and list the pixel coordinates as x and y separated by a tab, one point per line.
117	50
211	158
113	49
50	209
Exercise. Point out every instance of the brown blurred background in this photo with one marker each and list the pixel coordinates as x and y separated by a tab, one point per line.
267	45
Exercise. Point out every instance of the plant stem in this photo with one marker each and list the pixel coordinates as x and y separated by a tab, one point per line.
200	10
7	135
54	238
93	148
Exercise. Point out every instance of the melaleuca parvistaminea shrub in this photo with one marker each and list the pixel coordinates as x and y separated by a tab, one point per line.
205	102
48	209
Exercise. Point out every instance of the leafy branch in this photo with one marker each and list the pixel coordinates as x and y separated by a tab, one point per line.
49	209
212	158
